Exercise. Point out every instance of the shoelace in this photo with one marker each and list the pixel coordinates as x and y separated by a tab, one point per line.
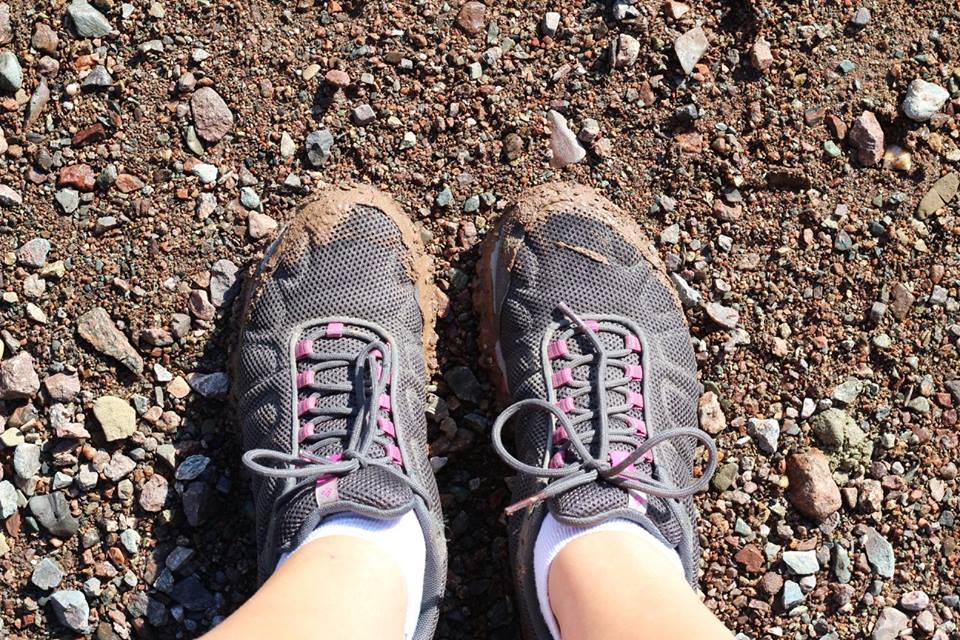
365	427
588	468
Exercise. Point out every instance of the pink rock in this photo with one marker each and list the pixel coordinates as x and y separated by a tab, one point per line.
78	176
813	491
260	225
18	379
154	493
472	17
211	115
563	142
337	78
760	56
866	136
62	387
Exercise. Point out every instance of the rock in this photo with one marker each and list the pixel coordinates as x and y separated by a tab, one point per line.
223	282
792	595
8	499
154	493
87	21
625	51
712	419
689	296
260	225
53	513
18	379
192	595
801	563
8	197
550	23
33	254
726	317
337	78
847	391
44	39
211	115
866	136
725	476
48	574
861	18
915	601
464	384
68	199
760	55
879	553
363	115
690	47
812	490
940	195
751	558
318	146
830	427
77	176
62	387
116	417
98	78
26	460
97	328
11	74
766	433
38	102
923	100
210	385
472	17
192	467
6	28
563	142
119	467
889	624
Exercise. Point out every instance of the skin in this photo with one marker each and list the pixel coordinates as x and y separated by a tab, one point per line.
615	585
336	588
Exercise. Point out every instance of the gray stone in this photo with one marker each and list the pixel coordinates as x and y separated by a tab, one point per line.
210	385
319	145
11	75
26	460
550	23
915	601
726	317
940	195
130	540
889	624
223	282
861	18
830	427
801	563
364	115
98	78
119	466
192	595
71	609
923	100
206	172
463	382
689	296
766	433
841	565
847	391
68	199
48	574
192	467
8	499
879	553
53	513
249	198
87	21
792	595
34	253
625	51
9	198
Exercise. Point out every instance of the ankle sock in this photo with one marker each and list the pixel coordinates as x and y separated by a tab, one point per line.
554	536
402	538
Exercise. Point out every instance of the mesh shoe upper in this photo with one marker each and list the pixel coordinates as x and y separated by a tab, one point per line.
596	352
329	379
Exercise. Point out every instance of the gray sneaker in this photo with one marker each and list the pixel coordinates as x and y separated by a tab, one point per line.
329	378
591	345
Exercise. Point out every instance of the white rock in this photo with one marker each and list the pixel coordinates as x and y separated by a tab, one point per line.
923	100
563	142
690	47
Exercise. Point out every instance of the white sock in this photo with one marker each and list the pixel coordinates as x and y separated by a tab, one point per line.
403	540
554	536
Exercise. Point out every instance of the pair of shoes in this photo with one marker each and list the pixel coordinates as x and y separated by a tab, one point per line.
586	337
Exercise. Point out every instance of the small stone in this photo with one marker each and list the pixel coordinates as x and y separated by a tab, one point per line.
98	78
48	574
11	74
260	225
889	624
77	176
766	433
923	100
98	329
68	199
625	51
915	601
472	17
116	417
751	558
6	27
53	513
689	296
801	563
192	467
249	198
812	491
199	305
550	23
337	78
211	115
841	565
848	391
71	610
18	378
866	136
153	495
206	172
26	460
712	419
44	39
563	142
830	427
8	197
318	146
690	47
940	195
119	467
87	21
33	254
210	385
463	382
760	55
130	540
444	197
223	282
879	553
8	499
726	317
38	102
861	18
792	595
364	115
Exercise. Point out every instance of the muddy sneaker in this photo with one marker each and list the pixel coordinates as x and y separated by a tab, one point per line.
591	345
329	378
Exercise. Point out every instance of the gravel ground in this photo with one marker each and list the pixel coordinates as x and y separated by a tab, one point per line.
797	178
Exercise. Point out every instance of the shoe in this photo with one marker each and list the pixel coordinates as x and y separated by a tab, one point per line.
571	294
329	378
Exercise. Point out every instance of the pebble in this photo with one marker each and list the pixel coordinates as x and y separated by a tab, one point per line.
71	609
199	305
625	51
792	595
726	317
249	198
889	624
77	176
130	540
550	23
841	565
62	387
766	433
712	419
87	21
223	282
689	296
563	142
33	254
879	553
18	378
98	329
801	563
861	18
98	78
116	417
915	601
464	384
45	39
923	100
848	391
6	28
53	513
318	146
813	491
337	78
211	115
830	427
260	225
363	115
47	575
206	172
192	467
210	385
8	499
760	55
11	75
119	467
26	460
68	199
940	195
690	47
8	197
154	493
472	17
866	136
